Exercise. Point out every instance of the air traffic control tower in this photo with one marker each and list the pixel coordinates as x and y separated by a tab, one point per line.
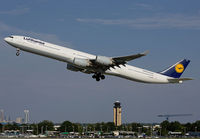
117	113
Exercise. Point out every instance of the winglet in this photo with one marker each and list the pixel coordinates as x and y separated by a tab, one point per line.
145	53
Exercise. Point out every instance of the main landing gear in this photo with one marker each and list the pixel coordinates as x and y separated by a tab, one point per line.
98	76
18	52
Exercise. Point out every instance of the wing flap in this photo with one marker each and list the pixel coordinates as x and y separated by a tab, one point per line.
103	63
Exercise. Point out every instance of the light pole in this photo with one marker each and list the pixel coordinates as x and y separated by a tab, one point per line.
139	130
185	130
42	130
160	131
2	128
22	129
37	130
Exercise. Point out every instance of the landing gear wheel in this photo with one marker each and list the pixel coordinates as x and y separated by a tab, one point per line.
98	76
97	79
102	77
18	52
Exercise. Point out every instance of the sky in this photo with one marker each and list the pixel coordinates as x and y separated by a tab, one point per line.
170	30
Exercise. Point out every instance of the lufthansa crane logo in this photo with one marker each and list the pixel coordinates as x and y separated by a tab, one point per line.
179	68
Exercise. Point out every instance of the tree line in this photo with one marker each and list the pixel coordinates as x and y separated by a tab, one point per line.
138	128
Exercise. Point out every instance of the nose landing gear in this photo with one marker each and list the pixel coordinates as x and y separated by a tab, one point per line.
18	52
98	76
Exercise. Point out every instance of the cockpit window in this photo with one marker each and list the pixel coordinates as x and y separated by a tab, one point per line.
11	37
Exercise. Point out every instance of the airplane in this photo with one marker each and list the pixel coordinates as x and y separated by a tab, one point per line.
99	65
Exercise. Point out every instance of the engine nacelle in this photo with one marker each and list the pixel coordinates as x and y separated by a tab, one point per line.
103	60
81	62
72	68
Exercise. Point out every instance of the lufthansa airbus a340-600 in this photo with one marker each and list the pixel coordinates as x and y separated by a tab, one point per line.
98	65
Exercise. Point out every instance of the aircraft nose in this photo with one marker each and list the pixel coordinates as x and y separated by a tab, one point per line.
6	39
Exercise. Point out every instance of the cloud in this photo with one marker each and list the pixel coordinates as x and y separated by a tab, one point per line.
141	6
15	11
9	30
176	21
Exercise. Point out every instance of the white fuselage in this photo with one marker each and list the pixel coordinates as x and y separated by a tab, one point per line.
67	55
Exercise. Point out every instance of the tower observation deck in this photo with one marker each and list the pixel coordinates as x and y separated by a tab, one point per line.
117	113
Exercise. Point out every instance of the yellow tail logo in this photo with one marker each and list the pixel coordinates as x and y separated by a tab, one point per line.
179	68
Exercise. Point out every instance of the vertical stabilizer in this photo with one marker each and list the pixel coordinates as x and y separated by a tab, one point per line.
177	69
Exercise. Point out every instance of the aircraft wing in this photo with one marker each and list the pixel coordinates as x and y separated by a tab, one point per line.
124	59
104	63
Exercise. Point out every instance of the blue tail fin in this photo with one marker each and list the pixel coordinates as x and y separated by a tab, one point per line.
177	69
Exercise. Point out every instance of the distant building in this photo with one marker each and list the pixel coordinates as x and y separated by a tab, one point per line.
117	113
193	134
19	120
9	119
26	119
56	127
1	115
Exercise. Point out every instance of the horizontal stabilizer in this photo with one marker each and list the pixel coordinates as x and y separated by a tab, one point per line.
179	80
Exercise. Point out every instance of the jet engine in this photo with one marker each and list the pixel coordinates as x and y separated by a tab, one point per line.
103	60
81	62
73	68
